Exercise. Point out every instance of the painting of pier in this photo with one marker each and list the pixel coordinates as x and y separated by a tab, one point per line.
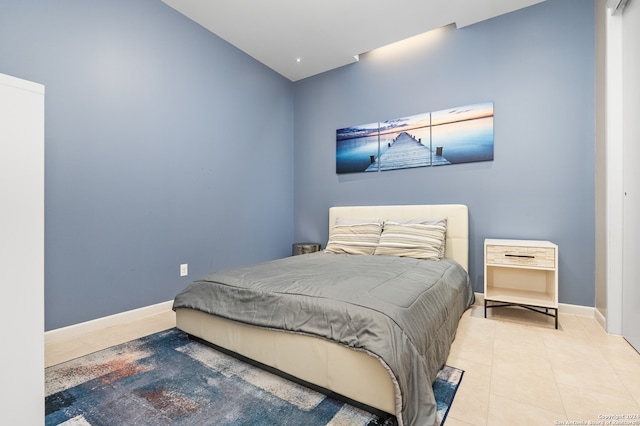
452	136
405	152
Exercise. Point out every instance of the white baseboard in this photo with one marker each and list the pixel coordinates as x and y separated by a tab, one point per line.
602	320
563	308
585	311
75	330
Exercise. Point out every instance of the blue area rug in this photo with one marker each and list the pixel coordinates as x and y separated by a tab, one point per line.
169	379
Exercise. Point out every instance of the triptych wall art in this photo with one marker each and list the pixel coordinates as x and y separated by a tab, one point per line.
451	136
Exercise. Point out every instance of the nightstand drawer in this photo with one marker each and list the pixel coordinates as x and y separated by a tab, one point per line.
541	257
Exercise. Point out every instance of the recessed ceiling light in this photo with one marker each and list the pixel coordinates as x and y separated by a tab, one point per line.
298	59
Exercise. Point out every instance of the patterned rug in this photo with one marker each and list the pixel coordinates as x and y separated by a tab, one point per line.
169	379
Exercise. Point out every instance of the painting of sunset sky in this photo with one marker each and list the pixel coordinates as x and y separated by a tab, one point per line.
451	136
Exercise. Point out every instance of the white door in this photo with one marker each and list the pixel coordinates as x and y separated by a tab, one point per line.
22	250
631	147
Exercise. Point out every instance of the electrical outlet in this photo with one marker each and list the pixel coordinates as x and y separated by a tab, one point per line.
184	270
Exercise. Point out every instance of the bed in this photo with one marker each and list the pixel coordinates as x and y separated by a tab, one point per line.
372	326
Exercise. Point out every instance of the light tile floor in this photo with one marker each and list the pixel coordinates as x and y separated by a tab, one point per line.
85	344
519	370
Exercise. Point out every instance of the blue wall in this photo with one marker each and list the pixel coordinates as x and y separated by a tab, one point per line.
537	66
164	145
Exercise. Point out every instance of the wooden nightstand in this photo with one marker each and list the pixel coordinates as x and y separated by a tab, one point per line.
521	273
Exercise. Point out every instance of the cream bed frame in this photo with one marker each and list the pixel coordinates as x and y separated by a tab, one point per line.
355	374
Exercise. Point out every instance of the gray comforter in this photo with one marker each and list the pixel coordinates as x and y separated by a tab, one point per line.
405	311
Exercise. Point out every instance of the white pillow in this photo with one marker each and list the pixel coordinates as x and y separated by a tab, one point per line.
427	221
354	237
424	240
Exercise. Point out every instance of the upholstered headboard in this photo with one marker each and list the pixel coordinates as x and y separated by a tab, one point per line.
457	239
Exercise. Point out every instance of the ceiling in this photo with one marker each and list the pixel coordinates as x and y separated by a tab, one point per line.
301	38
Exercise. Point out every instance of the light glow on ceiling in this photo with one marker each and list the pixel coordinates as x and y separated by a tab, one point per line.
411	46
